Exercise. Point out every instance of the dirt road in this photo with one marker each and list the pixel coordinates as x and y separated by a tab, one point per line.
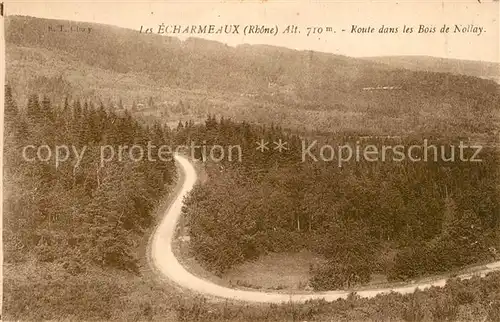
168	265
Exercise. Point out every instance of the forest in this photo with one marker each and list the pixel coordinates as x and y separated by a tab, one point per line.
77	214
401	219
74	235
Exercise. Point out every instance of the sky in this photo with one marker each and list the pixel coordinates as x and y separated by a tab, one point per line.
335	14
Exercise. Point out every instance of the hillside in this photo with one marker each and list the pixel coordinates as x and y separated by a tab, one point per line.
304	90
77	230
192	63
444	65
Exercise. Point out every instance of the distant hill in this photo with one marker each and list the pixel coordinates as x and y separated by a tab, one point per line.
193	63
445	65
261	83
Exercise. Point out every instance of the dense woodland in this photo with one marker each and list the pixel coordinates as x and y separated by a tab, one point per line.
403	219
77	214
72	234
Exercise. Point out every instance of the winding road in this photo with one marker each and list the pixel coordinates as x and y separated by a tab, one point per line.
165	262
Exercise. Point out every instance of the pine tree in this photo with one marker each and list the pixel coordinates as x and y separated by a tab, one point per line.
66	108
46	109
77	110
151	102
33	109
85	109
180	126
11	110
165	112
180	107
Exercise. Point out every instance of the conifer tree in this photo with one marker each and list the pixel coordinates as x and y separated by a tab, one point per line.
11	110
33	108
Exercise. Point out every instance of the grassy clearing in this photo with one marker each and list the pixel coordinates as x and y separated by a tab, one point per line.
275	271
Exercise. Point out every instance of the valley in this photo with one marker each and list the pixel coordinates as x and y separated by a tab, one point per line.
267	235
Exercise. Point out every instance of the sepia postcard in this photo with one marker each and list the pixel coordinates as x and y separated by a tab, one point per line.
250	160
